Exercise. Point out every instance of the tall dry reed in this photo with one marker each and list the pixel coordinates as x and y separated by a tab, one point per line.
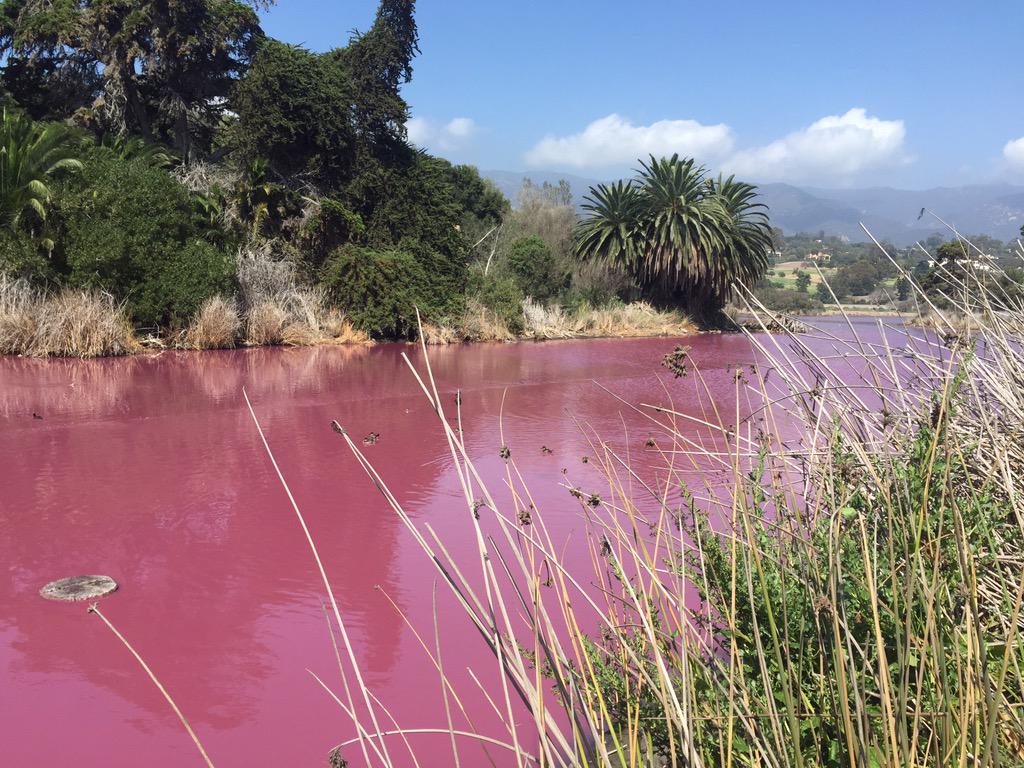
69	323
215	326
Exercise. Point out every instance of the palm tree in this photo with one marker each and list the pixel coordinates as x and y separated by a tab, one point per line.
686	238
608	230
30	155
136	148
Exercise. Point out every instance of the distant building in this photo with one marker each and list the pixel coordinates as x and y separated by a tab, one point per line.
820	257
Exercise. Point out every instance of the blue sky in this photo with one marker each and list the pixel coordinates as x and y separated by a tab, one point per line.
906	94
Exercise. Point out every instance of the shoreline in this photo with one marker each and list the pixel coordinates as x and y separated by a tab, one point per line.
156	345
149	348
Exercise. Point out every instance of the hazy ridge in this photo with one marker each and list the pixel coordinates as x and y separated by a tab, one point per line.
890	214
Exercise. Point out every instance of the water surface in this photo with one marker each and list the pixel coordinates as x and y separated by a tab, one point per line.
149	469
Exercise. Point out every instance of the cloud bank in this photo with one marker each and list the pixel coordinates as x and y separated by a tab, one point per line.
1013	153
837	146
614	140
455	134
834	148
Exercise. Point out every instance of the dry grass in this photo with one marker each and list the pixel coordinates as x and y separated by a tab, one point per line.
264	323
279	311
66	324
541	322
439	334
216	325
628	320
477	323
298	318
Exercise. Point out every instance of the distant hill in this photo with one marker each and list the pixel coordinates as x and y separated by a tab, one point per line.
890	214
510	182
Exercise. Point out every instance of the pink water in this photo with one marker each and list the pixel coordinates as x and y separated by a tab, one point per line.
149	469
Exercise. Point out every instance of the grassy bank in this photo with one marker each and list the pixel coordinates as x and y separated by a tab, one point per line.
539	322
269	312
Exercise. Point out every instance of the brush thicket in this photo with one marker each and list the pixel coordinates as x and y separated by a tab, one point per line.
70	323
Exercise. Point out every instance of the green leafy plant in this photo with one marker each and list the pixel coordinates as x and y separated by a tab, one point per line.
533	266
132	230
31	155
380	291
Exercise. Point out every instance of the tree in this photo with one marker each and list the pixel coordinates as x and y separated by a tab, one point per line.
294	110
803	281
30	155
535	268
687	238
902	288
51	88
857	279
165	67
129	228
480	199
377	63
608	231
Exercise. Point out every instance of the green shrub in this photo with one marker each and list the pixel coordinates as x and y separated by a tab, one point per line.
379	290
597	285
132	230
501	295
533	266
330	226
786	299
20	256
293	110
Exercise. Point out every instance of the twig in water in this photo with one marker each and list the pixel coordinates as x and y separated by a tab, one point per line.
145	667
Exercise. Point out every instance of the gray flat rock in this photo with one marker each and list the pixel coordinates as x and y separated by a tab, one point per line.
78	588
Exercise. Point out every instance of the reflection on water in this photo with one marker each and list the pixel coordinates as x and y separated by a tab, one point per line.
149	469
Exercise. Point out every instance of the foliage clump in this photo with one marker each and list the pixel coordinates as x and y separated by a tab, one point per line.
130	229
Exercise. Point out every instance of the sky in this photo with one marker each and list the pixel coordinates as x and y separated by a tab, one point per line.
908	94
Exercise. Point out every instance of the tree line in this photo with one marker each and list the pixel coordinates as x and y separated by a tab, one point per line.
146	143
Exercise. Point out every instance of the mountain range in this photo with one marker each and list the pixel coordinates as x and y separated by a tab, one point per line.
889	214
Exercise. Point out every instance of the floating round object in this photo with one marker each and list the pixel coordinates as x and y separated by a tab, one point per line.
78	588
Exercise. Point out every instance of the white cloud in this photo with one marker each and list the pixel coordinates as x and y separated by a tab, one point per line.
454	134
615	141
833	148
1013	153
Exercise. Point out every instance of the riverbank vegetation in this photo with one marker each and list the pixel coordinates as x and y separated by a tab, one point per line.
833	580
148	154
815	273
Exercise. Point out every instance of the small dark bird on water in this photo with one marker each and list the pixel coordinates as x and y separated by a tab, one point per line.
371	439
36	416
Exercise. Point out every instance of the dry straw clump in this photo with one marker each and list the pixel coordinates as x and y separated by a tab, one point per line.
70	323
621	321
216	325
476	323
276	310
